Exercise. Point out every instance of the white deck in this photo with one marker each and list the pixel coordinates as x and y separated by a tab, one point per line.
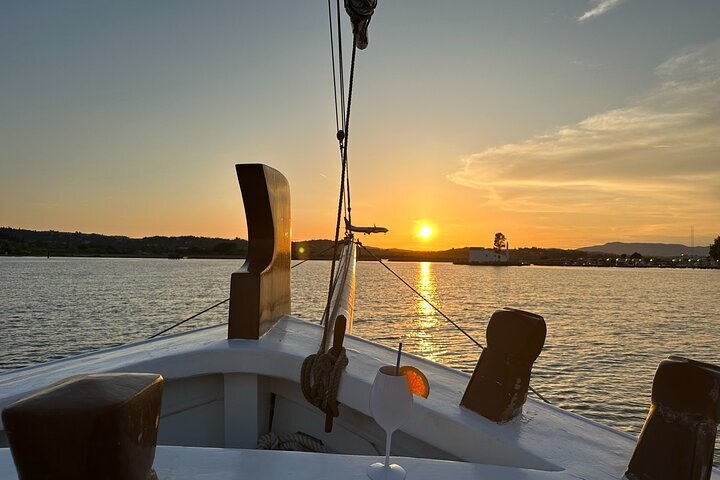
546	442
188	463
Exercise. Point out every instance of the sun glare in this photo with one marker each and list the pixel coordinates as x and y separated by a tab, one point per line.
424	232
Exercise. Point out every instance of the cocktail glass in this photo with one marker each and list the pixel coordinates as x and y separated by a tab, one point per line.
390	403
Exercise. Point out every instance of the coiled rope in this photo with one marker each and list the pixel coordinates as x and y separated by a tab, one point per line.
321	372
298	442
320	379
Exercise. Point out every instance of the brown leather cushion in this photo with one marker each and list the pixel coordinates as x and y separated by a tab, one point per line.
100	426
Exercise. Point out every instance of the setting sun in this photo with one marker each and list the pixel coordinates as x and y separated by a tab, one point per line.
424	232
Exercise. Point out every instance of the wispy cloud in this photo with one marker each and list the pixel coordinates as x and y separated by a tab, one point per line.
602	6
655	159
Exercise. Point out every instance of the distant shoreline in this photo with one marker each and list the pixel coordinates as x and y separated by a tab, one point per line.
20	242
389	259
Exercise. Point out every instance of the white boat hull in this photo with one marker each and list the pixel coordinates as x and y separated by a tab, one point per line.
219	393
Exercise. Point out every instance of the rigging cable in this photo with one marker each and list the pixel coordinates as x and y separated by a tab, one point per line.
347	187
341	67
332	59
308	259
345	139
189	318
321	372
223	301
482	347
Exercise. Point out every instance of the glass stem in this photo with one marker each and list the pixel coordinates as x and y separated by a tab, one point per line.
387	448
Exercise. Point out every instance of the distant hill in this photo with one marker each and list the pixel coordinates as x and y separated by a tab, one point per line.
15	241
323	249
648	249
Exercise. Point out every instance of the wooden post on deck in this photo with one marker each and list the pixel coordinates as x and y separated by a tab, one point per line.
498	387
260	289
93	426
679	434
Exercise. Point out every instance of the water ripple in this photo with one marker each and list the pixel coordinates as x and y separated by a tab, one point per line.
607	328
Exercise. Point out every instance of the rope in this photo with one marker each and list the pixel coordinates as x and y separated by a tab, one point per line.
189	318
220	303
321	372
298	442
320	379
538	394
332	58
347	187
423	297
335	249
342	184
349	101
341	67
308	259
482	347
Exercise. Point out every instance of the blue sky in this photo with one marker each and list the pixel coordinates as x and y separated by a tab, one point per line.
558	122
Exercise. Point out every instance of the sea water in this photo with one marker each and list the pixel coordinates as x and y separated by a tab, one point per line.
608	328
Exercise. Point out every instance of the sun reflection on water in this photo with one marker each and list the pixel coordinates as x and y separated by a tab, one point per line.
423	328
425	284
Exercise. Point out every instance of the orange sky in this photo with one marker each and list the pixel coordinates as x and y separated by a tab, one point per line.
560	124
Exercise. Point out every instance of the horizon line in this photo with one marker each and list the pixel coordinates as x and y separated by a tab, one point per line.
380	248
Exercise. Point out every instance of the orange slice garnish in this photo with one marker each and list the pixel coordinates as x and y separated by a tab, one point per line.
417	381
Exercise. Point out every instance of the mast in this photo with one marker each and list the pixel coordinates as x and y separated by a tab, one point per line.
342	303
321	372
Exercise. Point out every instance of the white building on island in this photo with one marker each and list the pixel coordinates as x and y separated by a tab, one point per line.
486	255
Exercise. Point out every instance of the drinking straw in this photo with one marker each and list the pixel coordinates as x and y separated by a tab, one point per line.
397	365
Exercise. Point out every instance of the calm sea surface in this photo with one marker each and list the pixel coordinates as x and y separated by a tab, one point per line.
607	328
